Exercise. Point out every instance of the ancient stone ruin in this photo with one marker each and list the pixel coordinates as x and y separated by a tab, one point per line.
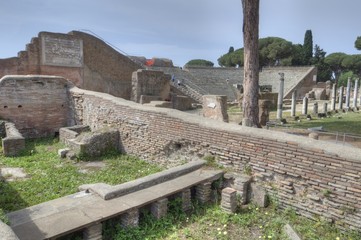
80	83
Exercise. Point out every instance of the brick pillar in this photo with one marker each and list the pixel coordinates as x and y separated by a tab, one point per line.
130	218
186	200
203	192
93	232
159	208
229	200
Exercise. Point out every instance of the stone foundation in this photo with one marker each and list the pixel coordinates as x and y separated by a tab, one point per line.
93	232
14	142
203	192
159	208
229	200
130	219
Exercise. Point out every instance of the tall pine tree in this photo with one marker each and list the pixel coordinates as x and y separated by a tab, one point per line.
307	48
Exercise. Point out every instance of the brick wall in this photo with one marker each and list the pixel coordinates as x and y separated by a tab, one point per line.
150	83
92	65
37	105
314	177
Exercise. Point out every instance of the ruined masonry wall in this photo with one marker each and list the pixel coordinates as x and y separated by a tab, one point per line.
314	177
37	105
81	58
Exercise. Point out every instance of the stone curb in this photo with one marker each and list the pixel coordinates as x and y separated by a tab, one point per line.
109	192
6	233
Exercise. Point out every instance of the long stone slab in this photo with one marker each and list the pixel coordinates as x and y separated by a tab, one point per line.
108	192
74	212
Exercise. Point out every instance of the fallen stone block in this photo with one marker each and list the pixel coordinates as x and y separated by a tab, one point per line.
258	195
62	152
292	235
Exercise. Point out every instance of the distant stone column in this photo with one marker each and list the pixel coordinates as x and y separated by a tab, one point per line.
305	106
325	107
333	102
293	106
280	96
348	93
315	108
355	94
340	101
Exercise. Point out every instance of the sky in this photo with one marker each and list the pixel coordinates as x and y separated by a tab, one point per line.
180	30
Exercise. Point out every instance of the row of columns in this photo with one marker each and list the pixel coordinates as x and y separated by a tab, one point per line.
325	105
158	209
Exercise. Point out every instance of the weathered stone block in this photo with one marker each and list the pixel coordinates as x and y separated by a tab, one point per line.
215	107
14	142
203	192
90	144
130	218
159	208
62	152
93	232
258	195
229	200
150	83
239	182
186	200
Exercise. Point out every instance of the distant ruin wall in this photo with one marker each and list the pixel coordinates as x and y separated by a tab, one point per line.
313	177
79	57
150	83
37	105
306	84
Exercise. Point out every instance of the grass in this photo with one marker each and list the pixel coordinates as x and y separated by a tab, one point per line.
51	177
349	122
209	222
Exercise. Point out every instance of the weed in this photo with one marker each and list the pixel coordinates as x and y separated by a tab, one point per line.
326	192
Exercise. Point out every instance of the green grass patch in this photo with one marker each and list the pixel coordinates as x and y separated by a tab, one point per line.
339	122
208	222
51	177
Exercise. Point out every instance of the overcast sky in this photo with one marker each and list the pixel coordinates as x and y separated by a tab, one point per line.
180	29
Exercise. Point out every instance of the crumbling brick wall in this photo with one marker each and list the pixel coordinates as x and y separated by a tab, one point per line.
311	176
83	59
37	105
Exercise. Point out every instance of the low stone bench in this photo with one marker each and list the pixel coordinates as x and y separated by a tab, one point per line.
108	192
14	142
86	210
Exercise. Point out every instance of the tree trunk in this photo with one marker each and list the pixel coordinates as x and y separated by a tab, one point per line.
251	62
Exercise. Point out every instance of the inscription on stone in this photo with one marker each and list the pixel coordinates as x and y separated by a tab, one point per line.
62	52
